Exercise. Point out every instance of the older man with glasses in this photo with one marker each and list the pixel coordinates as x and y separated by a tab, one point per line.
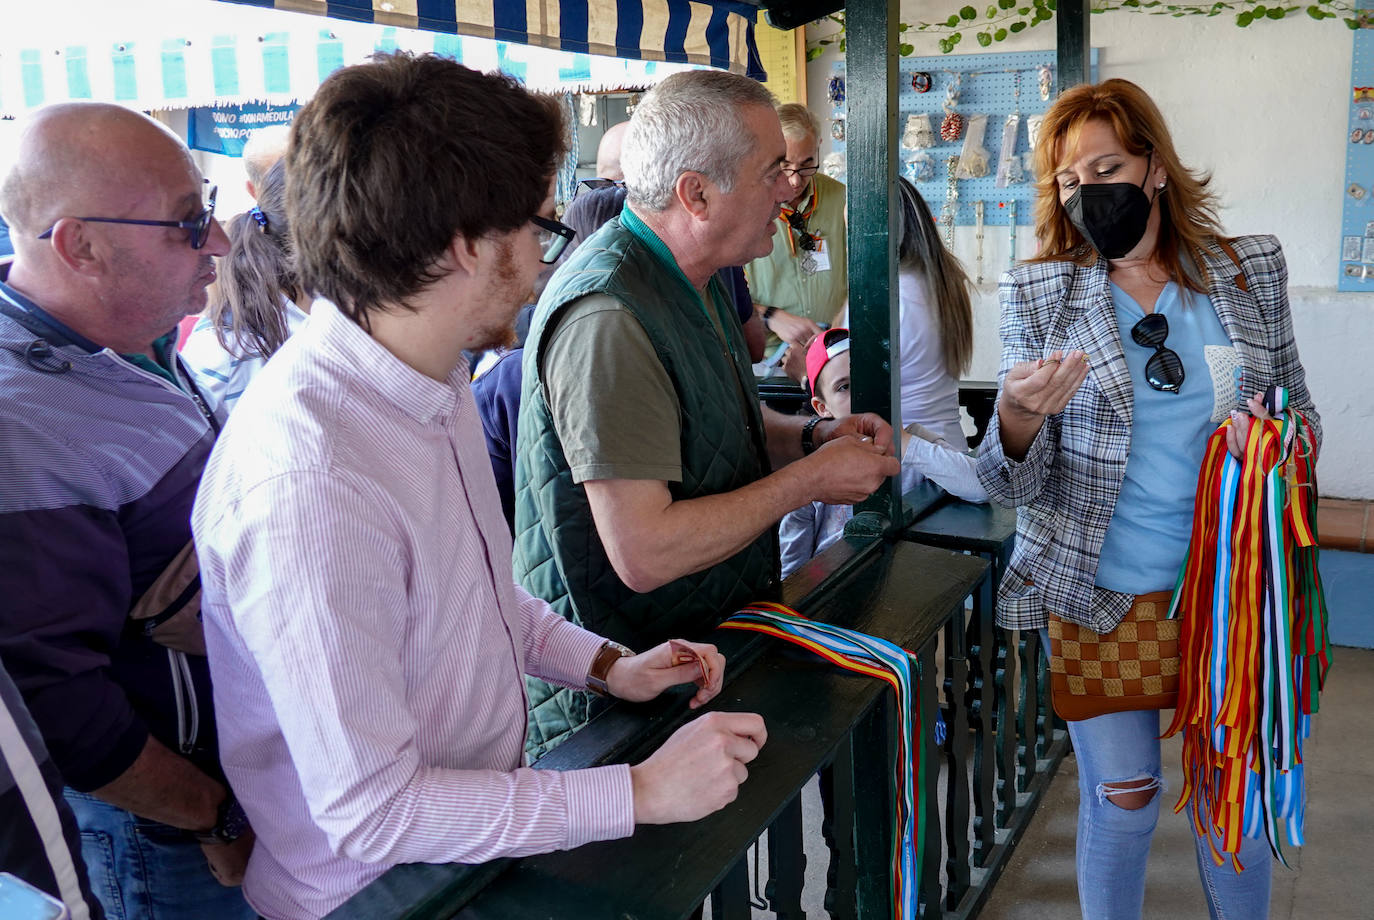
102	441
804	282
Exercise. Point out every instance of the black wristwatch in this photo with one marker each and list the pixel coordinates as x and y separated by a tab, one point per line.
230	823
808	433
767	315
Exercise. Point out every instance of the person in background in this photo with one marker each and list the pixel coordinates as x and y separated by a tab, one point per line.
608	153
102	441
925	455
255	304
366	635
936	322
803	282
1100	431
264	149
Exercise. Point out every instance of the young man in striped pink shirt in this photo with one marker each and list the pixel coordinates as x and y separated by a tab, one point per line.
365	633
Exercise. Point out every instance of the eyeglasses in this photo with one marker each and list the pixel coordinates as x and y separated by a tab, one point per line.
199	226
554	237
805	240
593	184
1164	370
806	172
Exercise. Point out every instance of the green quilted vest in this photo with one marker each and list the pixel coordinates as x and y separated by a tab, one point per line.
558	554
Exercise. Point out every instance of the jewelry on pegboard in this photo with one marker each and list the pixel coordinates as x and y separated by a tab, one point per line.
1011	236
950	211
586	104
837	128
834	166
920	166
978	240
974	158
836	90
1357	135
953	124
918	134
1045	79
1009	171
920	81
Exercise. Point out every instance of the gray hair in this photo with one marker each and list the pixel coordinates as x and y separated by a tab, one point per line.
797	121
691	122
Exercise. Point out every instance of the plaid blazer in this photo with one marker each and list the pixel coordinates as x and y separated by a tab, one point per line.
1067	485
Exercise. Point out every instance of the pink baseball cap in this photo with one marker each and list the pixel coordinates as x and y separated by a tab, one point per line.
823	347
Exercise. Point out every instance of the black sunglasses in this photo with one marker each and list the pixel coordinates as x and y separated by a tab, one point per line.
1164	370
798	224
554	237
199	226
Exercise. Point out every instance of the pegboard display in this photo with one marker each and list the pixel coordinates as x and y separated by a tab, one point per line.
1357	219
986	86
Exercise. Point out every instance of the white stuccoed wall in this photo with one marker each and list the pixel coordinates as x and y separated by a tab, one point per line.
1264	109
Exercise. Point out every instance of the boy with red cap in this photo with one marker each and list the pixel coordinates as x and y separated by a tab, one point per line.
811	528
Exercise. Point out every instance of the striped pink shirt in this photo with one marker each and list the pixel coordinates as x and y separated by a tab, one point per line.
366	637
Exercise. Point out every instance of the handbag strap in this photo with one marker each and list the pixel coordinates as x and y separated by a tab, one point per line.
1230	251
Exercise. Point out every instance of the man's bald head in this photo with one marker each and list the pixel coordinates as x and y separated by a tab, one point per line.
84	158
608	152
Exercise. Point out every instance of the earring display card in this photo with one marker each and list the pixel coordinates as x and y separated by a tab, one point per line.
1357	219
987	87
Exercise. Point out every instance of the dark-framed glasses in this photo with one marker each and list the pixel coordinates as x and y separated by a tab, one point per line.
554	237
1164	370
806	172
805	240
199	226
596	183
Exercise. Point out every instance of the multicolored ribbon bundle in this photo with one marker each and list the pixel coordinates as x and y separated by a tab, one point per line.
1253	637
864	654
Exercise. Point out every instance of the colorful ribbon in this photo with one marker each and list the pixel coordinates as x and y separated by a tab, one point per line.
1253	634
864	654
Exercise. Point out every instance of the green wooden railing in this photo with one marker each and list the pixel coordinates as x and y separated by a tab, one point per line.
929	591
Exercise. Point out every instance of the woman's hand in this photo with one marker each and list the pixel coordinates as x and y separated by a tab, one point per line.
644	676
1032	390
1239	430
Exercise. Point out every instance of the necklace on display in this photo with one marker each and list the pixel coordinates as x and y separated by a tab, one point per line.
978	239
951	208
1011	237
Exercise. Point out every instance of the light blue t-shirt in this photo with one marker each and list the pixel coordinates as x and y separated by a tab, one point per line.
1148	534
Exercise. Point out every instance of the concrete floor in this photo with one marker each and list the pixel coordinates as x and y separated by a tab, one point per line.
1332	877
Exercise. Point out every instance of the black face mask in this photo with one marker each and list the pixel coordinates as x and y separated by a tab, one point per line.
1111	215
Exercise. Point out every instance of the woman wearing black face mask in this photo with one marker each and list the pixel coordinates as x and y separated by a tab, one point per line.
1125	342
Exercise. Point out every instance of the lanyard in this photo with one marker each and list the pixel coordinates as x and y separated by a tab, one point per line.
788	212
864	654
1253	637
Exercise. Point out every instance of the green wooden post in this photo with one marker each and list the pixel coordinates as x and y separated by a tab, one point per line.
871	142
1071	43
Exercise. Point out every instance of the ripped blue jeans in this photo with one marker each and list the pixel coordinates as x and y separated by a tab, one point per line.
1114	842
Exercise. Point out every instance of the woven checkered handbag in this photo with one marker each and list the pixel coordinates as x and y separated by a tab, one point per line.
1135	666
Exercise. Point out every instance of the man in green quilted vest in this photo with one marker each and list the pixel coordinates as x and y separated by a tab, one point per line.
646	497
804	281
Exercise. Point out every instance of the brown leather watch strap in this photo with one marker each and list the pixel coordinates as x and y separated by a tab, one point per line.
609	653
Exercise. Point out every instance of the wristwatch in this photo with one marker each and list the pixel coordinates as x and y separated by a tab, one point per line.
808	434
230	823
767	315
609	653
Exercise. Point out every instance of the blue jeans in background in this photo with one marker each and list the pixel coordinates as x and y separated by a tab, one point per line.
143	870
1114	842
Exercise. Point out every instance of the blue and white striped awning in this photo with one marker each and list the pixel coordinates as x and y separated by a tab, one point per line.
236	55
717	33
